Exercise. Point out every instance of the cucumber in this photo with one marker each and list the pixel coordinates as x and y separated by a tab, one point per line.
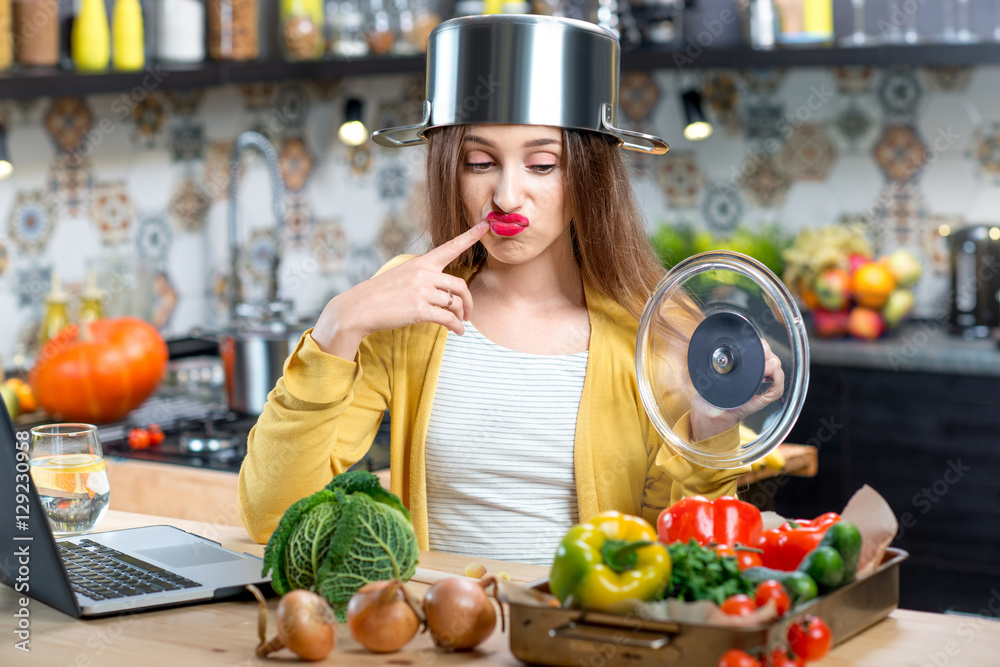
845	538
826	566
799	585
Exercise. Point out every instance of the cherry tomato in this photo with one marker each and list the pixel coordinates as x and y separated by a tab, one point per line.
810	638
744	558
779	658
773	590
738	605
737	658
138	438
156	435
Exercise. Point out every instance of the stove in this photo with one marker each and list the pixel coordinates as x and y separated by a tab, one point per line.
199	429
205	435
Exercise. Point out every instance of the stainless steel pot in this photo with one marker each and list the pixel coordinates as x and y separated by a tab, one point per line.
525	70
252	360
253	363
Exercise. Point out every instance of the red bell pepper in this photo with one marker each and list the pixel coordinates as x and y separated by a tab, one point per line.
785	547
723	521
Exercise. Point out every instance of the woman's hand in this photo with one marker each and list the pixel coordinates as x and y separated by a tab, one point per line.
708	420
416	291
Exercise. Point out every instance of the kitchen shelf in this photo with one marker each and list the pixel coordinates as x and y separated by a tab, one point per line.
943	55
34	82
44	82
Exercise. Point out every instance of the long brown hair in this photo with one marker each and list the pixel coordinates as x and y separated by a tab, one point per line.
609	235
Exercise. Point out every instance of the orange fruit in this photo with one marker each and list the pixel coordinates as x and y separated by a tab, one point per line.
27	398
809	298
871	284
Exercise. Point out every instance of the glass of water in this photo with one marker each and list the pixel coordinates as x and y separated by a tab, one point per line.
67	467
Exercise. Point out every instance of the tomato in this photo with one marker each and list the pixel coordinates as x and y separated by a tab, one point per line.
779	658
138	438
810	638
738	605
772	589
156	435
737	658
745	558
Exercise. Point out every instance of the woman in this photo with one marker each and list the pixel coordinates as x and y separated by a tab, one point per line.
505	356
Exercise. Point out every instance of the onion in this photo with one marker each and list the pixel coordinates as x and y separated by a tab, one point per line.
460	615
381	617
306	625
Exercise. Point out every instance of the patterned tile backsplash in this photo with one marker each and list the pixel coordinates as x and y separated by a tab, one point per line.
134	187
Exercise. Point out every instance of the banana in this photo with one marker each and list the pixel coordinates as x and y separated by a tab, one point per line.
775	460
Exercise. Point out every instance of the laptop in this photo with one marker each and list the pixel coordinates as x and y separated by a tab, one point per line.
114	572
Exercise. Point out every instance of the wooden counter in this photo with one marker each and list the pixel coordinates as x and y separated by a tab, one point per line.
225	633
197	494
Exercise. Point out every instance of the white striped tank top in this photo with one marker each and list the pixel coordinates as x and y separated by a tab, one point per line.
500	481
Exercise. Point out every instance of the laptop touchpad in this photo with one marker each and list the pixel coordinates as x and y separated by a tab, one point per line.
189	555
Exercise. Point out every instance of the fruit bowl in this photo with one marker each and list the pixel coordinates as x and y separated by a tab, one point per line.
846	289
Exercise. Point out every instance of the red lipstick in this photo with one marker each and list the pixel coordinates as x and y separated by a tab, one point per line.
510	224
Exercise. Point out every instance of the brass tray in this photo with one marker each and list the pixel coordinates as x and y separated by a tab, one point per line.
570	637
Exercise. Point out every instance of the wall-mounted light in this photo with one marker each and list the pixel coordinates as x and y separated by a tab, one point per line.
353	131
696	126
6	166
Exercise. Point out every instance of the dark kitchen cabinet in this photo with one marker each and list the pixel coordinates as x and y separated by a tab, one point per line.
929	442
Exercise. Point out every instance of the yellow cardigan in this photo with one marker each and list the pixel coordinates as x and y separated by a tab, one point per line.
323	414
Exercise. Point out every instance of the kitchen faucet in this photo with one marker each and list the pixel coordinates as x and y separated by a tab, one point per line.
259	141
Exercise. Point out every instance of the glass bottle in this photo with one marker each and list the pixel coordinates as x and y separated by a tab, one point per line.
345	23
232	30
36	22
91	301
302	29
56	315
6	35
424	20
91	39
964	33
180	31
380	37
127	35
858	36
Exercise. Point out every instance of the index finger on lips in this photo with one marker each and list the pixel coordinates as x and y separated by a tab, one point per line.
447	252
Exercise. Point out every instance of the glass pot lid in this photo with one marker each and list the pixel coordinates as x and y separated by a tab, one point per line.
704	337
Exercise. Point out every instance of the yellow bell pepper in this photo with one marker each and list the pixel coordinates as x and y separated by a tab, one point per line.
614	557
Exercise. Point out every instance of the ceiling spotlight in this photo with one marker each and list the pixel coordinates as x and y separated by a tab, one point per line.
6	167
696	126
353	132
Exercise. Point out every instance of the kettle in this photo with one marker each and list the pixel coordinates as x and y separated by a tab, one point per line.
975	281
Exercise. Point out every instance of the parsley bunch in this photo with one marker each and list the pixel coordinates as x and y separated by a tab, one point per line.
699	573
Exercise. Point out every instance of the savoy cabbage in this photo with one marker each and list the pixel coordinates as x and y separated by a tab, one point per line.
340	538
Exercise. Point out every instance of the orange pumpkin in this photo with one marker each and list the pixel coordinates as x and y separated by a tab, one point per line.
101	373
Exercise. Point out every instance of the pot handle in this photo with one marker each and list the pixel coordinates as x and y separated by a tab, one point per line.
387	137
652	145
201	332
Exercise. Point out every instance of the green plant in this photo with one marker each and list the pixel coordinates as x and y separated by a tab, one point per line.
699	573
340	538
674	243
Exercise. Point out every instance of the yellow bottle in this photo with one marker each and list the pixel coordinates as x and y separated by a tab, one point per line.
127	36
56	315
817	19
91	45
91	301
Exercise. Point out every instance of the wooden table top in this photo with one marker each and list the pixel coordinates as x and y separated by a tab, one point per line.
225	633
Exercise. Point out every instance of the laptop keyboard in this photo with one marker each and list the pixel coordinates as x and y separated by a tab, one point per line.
103	573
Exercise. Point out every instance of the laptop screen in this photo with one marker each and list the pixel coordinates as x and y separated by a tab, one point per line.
29	559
